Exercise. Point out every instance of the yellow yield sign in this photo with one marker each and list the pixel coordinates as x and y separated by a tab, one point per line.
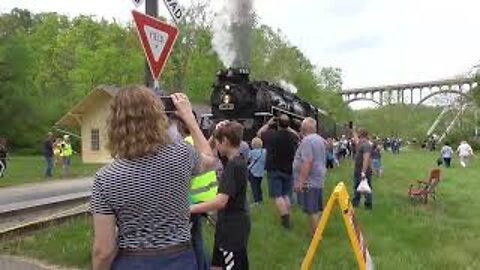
358	243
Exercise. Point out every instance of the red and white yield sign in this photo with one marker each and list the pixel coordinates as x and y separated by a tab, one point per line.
157	39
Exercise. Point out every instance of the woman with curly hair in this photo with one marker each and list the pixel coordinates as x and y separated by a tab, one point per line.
140	202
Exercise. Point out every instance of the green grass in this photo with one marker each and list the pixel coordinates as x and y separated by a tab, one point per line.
401	235
31	169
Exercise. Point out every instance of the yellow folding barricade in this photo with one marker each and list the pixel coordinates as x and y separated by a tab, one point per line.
358	243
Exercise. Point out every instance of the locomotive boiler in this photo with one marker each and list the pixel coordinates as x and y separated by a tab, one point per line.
235	97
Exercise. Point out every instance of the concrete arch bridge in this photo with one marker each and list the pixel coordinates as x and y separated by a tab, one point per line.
409	93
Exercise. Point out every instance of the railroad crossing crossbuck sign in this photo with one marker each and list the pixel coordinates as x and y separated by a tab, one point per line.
157	39
175	9
138	3
358	243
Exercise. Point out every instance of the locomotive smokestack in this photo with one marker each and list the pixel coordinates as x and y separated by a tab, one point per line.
232	30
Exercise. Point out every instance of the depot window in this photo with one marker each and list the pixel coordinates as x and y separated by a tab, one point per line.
95	139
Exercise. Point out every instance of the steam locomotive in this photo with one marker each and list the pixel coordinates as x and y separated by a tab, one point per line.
252	103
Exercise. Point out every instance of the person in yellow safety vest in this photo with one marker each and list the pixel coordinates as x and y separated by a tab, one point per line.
203	188
66	154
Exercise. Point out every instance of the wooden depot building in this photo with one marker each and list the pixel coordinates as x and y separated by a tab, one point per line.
90	116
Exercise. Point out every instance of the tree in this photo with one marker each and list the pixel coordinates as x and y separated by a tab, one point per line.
49	62
476	91
330	78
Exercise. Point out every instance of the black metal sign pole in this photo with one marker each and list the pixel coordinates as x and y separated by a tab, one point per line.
151	8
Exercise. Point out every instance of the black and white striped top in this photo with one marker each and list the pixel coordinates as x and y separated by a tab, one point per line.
148	196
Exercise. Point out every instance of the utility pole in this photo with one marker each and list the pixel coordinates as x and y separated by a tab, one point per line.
151	8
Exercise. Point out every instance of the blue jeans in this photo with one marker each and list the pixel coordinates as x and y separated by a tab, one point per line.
48	171
67	162
280	184
256	186
357	195
181	261
446	162
197	241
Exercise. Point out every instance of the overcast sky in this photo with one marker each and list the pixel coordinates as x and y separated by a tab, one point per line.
375	42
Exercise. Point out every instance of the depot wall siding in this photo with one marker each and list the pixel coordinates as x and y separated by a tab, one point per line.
95	117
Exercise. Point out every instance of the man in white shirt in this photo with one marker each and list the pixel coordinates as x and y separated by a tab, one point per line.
464	151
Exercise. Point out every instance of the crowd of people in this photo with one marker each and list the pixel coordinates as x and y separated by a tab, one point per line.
167	177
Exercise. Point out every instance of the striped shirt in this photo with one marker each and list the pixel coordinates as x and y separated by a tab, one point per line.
148	196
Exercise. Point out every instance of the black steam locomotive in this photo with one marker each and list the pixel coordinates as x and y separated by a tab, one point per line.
235	97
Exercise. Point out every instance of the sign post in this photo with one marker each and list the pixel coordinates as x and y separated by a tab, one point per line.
157	39
151	8
358	243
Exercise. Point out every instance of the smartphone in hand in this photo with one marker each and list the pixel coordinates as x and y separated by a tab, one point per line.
168	104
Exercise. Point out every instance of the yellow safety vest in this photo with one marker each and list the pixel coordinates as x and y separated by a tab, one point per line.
68	151
203	187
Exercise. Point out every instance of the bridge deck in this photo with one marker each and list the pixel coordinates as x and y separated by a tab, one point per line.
437	83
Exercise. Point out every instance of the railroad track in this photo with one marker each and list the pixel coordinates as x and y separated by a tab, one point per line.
18	219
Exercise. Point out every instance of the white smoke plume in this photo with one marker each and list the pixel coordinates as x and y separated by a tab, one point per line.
232	30
288	86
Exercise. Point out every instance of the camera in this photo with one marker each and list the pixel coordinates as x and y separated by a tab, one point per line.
168	104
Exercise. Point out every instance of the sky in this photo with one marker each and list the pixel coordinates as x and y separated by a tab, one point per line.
374	42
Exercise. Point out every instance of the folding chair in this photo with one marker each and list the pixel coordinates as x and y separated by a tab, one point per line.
425	189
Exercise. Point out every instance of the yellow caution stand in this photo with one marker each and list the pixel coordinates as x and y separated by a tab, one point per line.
362	256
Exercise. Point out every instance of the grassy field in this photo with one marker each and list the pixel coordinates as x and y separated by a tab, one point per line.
30	169
401	234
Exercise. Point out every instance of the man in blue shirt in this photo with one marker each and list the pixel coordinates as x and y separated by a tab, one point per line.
309	170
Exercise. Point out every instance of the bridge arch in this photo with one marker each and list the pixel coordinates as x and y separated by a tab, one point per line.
363	98
440	92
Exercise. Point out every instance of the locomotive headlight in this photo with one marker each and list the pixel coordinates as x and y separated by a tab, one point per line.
226	99
227	87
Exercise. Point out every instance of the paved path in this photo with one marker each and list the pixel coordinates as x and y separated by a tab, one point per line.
12	263
17	263
38	191
26	194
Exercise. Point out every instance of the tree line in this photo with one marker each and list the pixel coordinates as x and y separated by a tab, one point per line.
49	62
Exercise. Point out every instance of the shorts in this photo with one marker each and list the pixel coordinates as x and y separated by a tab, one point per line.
377	164
231	260
311	200
280	184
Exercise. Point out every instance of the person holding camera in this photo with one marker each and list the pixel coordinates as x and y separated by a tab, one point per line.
140	204
281	144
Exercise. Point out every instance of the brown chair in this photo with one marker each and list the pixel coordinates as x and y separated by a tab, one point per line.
425	189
